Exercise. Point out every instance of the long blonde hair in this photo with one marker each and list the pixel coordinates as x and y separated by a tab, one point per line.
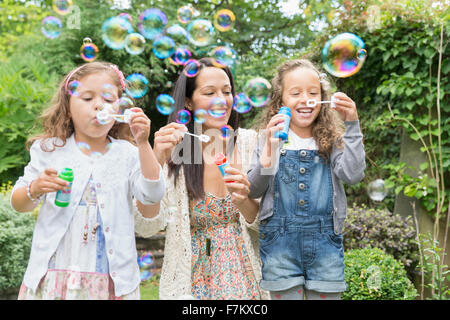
56	120
328	128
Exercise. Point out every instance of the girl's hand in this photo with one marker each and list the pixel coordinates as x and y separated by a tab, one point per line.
237	184
271	142
139	126
48	181
345	106
166	139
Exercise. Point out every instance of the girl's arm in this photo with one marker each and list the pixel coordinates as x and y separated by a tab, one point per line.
152	187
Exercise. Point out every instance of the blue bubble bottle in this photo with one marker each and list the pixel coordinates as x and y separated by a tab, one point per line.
283	134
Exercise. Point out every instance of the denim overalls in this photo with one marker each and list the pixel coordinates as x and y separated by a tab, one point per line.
297	243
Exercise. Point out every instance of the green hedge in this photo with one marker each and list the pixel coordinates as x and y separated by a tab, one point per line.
16	231
372	274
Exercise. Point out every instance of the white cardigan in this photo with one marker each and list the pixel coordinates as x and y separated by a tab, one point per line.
117	177
175	280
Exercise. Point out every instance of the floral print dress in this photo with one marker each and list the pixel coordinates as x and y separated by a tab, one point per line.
221	268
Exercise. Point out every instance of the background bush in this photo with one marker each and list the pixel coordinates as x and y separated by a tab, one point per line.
372	274
379	228
16	231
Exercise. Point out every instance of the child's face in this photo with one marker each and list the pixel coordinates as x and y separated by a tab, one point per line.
91	97
212	83
300	85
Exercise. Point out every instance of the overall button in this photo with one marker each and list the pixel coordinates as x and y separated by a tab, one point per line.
301	202
283	151
302	170
303	153
301	186
261	236
264	222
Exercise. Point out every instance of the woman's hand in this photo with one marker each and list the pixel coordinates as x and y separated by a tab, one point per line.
47	181
139	126
345	106
166	139
272	143
237	184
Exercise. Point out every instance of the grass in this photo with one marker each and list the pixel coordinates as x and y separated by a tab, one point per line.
150	288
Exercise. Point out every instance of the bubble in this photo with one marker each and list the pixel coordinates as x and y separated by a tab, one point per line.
51	27
126	16
107	92
200	115
226	132
114	32
165	104
103	117
88	50
183	117
62	7
124	103
344	55
185	14
146	264
84	147
224	20
74	87
201	32
257	91
134	43
241	104
191	68
151	23
218	108
223	56
177	33
180	56
163	47
136	85
377	190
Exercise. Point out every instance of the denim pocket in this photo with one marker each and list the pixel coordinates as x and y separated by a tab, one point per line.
288	172
268	235
334	239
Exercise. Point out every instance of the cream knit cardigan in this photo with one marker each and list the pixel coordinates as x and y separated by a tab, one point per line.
173	216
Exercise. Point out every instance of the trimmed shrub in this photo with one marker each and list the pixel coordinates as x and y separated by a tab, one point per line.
376	228
372	274
16	231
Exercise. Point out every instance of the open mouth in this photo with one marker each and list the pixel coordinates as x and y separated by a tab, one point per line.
304	112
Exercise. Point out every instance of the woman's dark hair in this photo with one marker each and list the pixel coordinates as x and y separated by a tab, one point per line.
193	172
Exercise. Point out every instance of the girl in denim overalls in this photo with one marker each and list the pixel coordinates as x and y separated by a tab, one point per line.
303	205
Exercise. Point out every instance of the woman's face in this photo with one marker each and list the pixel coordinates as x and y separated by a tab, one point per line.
212	83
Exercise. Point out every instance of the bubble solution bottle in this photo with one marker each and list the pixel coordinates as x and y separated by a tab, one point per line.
221	161
283	134
63	196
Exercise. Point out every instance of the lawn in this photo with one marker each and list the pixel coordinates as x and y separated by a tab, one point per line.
150	288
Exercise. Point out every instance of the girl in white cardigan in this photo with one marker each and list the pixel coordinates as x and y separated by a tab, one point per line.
87	250
211	225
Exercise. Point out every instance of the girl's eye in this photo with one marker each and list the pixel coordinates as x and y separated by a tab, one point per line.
227	92
314	93
87	99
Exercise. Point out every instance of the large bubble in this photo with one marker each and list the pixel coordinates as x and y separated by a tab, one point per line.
224	20
201	32
88	50
152	23
185	14
241	103
344	55
165	104
180	57
223	56
136	85
115	31
51	27
177	33
134	43
217	108
62	7
377	190
258	91
163	47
